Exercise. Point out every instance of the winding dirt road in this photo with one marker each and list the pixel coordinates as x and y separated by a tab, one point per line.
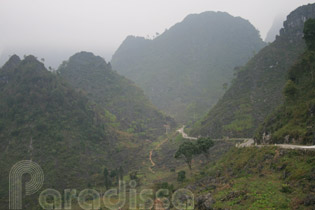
158	205
151	153
152	163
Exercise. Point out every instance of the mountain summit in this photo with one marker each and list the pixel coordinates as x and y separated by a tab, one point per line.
185	69
130	109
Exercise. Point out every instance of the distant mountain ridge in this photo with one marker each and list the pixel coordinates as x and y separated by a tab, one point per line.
257	89
275	29
183	71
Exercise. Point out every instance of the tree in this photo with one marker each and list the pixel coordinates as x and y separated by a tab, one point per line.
113	173
203	145
133	175
186	150
106	178
181	176
121	173
309	34
164	186
290	89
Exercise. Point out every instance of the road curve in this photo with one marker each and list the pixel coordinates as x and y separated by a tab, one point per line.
184	135
251	142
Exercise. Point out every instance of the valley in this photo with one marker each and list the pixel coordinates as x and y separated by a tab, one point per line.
204	116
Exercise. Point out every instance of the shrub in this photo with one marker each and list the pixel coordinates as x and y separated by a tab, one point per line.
181	176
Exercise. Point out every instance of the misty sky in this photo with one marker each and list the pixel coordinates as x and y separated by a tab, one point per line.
56	29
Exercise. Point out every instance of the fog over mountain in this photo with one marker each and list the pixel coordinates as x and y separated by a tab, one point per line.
183	70
117	104
275	28
48	29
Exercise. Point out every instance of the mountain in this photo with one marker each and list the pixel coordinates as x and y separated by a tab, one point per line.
257	89
44	120
275	29
131	109
294	121
185	70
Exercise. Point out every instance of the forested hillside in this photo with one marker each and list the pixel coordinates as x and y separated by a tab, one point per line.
44	120
257	89
186	69
130	108
294	121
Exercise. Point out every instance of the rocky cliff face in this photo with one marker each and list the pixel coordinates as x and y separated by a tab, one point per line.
293	26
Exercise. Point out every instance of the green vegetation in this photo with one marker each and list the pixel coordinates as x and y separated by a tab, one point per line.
203	145
112	178
184	69
259	178
43	119
189	149
257	89
100	128
181	176
107	182
309	34
243	119
164	186
294	121
129	109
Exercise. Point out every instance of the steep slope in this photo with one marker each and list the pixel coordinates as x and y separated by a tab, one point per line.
294	121
185	69
44	120
132	110
256	178
257	90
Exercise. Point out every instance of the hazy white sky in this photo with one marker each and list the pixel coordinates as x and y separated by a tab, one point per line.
55	29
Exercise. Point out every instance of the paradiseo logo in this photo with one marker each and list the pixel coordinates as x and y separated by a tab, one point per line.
90	198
